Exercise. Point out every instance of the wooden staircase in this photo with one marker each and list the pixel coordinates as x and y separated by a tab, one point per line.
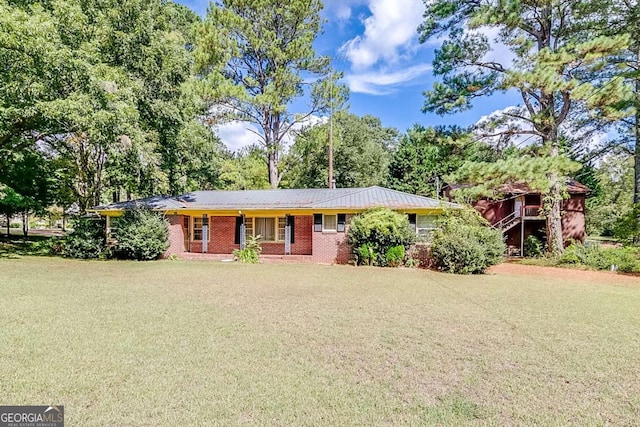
508	222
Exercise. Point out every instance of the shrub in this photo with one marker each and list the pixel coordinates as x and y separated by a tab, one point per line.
395	256
375	231
623	259
533	247
627	228
141	235
251	252
465	244
86	241
366	254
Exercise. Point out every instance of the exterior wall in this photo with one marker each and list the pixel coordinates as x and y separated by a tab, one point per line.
303	240
222	235
176	236
573	221
331	247
494	211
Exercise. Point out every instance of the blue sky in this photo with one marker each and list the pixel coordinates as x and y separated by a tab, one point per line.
375	44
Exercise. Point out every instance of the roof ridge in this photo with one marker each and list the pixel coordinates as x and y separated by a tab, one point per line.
355	191
405	193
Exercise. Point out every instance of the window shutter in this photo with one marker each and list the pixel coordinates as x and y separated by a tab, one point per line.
291	223
238	224
342	220
412	221
317	222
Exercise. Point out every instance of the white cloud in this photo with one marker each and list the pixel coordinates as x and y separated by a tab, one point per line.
237	135
383	82
499	52
389	34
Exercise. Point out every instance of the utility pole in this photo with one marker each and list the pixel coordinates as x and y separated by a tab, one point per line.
331	185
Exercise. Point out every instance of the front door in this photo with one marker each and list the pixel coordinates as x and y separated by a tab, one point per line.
518	207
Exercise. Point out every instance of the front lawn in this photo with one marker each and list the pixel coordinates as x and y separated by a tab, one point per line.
202	343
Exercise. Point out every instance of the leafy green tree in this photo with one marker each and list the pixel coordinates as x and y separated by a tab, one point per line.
426	155
612	197
29	186
104	86
255	58
244	171
362	151
547	58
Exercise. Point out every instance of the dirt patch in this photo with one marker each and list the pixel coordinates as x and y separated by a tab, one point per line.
563	273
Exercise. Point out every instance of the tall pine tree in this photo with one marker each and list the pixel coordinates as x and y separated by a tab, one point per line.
544	66
256	57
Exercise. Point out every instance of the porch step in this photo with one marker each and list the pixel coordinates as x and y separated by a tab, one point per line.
265	259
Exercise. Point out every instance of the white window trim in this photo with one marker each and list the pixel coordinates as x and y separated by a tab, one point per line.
276	223
192	224
329	230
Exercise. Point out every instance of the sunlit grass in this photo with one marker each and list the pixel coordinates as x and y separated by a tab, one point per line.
202	343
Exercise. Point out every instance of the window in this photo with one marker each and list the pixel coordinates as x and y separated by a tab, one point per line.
282	223
265	228
329	222
425	223
269	229
248	226
198	223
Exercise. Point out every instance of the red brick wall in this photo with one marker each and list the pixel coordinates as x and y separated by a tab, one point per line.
222	235
176	236
331	247
325	247
303	240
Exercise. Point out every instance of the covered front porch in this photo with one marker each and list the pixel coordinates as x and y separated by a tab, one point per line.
212	233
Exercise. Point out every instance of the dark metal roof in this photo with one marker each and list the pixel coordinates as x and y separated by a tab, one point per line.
338	198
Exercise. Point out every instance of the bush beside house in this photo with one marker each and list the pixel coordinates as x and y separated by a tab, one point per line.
141	234
464	243
376	235
86	241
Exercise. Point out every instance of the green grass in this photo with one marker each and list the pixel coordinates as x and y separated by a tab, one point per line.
196	343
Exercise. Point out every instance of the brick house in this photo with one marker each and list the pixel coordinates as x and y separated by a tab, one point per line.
516	211
308	224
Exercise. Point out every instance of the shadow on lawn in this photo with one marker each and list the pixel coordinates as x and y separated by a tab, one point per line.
15	247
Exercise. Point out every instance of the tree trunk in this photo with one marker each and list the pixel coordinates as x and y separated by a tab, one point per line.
555	241
8	226
25	224
274	177
636	124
